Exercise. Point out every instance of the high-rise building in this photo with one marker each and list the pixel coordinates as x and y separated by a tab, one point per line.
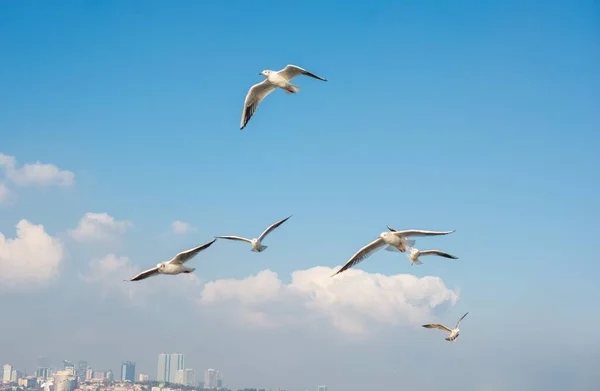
6	373
168	365
219	379
189	377
14	376
143	378
89	373
163	369
210	379
176	364
69	366
322	388
128	371
109	375
81	370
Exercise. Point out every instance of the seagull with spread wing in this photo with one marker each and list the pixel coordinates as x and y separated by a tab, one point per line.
415	253
256	243
175	265
453	333
395	241
274	79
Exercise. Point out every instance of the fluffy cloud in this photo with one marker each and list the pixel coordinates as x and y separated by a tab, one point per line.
99	227
180	227
32	258
4	194
35	174
349	302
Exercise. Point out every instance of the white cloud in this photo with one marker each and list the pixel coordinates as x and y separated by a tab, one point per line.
32	258
35	174
5	194
180	227
348	302
99	227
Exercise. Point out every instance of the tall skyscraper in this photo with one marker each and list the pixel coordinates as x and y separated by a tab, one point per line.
81	370
89	373
128	371
168	365
176	363
219	379
6	373
163	367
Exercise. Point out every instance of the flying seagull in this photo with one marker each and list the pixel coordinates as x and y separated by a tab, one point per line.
256	242
274	79
415	253
175	265
453	333
396	241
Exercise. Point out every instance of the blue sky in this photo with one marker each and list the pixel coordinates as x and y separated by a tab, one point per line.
475	116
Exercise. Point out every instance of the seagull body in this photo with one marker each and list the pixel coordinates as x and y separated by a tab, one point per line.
415	253
256	243
395	240
453	332
274	79
175	265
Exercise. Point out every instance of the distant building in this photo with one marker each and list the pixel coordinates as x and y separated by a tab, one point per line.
143	378
219	379
89	373
64	380
128	371
14	376
110	376
210	378
168	365
6	373
322	388
82	370
43	373
99	375
189	377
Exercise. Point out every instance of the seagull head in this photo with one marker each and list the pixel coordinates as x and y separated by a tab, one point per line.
266	73
160	266
384	235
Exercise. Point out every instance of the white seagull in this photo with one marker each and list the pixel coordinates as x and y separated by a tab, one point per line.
415	253
396	241
256	242
274	79
453	333
175	265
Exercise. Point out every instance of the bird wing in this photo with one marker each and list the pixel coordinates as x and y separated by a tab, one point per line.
461	318
391	229
234	238
256	93
272	227
362	254
145	274
437	326
418	232
185	256
437	252
290	71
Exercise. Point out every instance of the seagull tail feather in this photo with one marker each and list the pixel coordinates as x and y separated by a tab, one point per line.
292	88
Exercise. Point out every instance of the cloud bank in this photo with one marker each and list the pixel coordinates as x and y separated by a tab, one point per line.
349	303
99	227
29	260
35	174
